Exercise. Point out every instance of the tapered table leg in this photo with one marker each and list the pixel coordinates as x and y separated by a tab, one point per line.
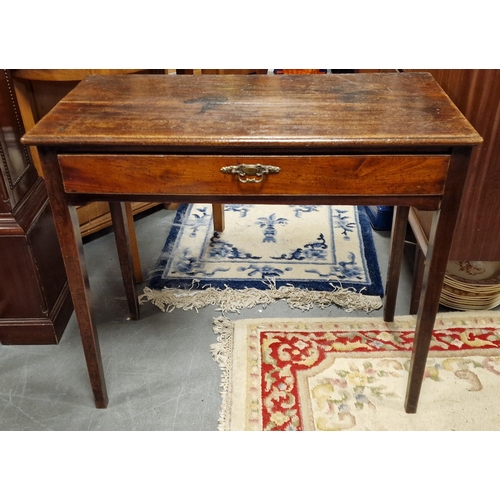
440	240
398	234
122	237
134	248
437	257
70	240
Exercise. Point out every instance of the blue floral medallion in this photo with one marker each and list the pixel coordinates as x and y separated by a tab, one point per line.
311	247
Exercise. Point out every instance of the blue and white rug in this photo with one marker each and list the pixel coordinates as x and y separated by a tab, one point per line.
308	255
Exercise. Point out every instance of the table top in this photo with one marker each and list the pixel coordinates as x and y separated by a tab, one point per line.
292	112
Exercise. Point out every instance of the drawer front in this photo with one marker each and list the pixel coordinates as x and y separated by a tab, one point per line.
254	175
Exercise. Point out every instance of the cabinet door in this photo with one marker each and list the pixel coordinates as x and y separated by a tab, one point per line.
17	171
35	304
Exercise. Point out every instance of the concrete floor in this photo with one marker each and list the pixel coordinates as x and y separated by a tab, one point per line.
159	370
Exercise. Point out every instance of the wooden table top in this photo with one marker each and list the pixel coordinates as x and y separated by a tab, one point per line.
307	112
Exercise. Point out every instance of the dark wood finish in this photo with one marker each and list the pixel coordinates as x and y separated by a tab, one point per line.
244	112
420	224
136	264
399	223
304	175
38	91
418	278
68	230
384	117
476	92
119	215
69	75
35	304
437	257
218	217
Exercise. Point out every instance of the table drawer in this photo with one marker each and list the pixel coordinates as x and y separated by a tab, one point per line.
289	175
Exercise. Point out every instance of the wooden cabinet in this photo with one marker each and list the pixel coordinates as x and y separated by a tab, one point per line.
35	304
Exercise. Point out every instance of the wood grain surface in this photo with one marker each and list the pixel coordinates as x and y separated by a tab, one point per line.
256	111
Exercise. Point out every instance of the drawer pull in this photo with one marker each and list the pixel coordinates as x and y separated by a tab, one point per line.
250	173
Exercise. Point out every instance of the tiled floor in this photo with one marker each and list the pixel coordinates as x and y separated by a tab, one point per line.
159	370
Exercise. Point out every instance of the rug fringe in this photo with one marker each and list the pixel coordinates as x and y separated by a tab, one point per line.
232	300
221	353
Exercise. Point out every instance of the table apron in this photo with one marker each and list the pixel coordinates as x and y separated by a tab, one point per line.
221	175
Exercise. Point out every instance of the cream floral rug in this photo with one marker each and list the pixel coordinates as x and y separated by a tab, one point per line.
351	374
308	255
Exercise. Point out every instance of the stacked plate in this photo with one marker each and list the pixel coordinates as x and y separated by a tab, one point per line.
471	285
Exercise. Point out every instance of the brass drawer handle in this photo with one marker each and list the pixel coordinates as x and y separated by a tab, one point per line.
250	173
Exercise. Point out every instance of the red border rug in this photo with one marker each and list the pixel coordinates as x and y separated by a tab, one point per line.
351	374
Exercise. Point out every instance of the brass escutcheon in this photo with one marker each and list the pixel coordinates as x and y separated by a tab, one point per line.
250	173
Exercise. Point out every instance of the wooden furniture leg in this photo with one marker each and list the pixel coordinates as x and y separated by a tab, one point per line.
218	217
418	276
122	237
68	232
395	260
440	240
134	248
422	244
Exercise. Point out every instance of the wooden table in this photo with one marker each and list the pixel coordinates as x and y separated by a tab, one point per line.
363	139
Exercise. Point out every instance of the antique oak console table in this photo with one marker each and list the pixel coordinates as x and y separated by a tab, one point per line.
363	139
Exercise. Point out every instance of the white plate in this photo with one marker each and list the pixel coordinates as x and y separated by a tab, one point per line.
477	287
474	272
471	293
468	307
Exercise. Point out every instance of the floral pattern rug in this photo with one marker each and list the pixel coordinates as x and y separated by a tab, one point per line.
318	248
351	374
